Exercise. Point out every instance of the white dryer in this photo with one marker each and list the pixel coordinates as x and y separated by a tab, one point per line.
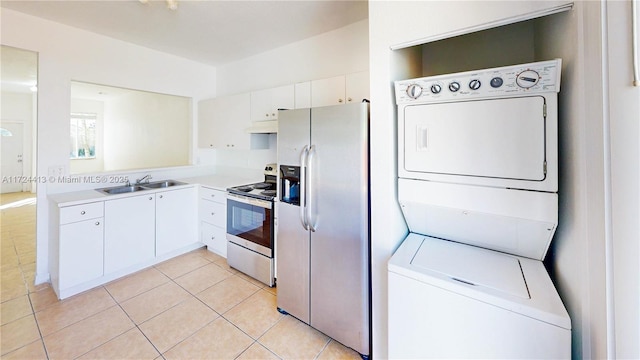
478	177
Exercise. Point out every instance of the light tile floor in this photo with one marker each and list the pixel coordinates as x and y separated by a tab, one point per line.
190	307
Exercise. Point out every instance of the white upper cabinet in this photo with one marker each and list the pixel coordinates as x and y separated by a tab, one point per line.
330	91
222	122
357	86
265	103
341	89
303	95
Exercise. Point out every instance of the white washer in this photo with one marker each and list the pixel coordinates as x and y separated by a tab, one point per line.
478	177
449	300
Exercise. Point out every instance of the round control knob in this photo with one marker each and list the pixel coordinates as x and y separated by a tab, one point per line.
496	82
474	84
436	88
527	79
414	91
454	86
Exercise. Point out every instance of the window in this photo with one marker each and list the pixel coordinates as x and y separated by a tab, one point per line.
83	136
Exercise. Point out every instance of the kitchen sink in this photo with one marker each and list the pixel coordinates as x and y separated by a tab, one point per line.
122	189
162	184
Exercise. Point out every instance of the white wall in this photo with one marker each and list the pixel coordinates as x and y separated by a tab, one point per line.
67	54
337	52
146	130
624	117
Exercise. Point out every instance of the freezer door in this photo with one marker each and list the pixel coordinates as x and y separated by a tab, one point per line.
292	254
293	135
338	195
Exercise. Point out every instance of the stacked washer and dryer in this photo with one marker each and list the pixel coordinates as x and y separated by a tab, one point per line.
478	182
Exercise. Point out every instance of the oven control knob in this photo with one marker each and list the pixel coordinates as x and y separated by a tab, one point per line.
414	91
527	79
454	86
436	88
474	84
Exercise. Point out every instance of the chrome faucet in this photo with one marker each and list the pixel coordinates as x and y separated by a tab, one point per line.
145	178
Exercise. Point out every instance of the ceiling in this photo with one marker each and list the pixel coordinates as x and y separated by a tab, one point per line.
208	31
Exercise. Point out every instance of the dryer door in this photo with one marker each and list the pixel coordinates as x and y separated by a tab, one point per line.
496	138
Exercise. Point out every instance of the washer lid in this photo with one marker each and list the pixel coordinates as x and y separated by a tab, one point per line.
473	266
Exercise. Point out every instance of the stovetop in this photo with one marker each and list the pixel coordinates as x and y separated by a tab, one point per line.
262	190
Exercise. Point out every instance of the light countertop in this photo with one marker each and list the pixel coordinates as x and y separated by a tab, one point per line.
216	181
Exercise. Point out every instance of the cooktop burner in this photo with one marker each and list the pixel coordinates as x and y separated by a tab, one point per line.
262	186
262	190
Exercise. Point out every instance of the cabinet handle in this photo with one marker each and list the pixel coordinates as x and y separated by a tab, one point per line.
213	238
150	198
97	223
267	115
273	114
160	196
213	195
340	101
349	99
82	212
213	214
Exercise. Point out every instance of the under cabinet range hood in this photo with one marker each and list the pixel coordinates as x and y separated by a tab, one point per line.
263	127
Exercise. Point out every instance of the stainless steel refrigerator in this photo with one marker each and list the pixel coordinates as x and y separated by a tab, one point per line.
322	249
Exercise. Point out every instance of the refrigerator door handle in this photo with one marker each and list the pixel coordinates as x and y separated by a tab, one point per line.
303	187
310	220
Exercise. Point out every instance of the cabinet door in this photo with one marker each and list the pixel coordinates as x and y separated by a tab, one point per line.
261	105
222	122
129	233
357	86
176	219
265	103
327	92
303	95
81	252
214	237
282	97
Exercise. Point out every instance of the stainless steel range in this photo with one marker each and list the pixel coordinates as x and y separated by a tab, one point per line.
250	227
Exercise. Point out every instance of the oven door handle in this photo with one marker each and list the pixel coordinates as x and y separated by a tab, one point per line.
303	187
310	221
249	201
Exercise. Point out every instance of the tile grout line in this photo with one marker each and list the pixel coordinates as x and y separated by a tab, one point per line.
136	326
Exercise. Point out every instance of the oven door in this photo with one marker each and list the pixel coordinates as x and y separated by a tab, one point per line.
250	223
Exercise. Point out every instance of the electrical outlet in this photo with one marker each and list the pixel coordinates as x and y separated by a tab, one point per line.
57	170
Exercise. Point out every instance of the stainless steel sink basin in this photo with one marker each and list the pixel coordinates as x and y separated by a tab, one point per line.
121	189
162	184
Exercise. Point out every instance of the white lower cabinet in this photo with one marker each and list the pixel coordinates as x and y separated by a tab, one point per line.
129	232
80	246
100	241
213	220
176	220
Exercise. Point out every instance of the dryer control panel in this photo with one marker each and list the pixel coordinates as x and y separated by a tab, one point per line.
538	77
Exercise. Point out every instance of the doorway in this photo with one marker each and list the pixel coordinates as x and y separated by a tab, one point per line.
18	124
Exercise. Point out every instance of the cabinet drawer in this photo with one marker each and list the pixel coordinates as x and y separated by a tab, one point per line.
76	213
213	213
213	195
214	237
